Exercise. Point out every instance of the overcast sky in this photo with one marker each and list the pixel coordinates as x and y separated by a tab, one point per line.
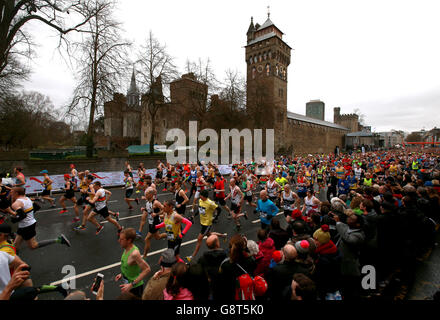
381	56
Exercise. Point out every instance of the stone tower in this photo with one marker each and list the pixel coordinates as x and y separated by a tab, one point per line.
267	58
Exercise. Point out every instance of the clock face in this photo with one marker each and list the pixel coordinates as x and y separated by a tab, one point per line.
260	69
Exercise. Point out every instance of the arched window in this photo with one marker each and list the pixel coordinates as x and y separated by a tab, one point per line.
267	69
269	55
285	74
277	70
250	60
255	59
260	57
264	55
254	72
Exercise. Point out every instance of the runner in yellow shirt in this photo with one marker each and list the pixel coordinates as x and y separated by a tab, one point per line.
206	210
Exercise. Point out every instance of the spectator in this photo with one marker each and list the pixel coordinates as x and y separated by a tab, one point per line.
278	235
229	271
351	240
266	247
157	283
327	262
210	262
279	277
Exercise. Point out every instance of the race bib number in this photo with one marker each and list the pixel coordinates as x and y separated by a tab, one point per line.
202	211
263	215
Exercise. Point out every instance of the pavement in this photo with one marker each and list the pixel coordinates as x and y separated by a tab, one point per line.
90	254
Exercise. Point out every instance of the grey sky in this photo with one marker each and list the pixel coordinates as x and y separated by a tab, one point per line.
379	56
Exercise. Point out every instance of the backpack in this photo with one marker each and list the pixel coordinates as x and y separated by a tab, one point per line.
247	287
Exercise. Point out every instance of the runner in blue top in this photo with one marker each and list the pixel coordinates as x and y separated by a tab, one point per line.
267	209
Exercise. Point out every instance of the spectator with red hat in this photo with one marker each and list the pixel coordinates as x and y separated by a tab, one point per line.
327	271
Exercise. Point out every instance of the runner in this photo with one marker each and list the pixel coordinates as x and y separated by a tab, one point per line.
201	184
180	198
69	194
20	180
310	203
74	174
129	186
47	184
288	200
219	198
272	189
236	201
267	210
206	209
87	191
24	215
133	268
172	222
99	200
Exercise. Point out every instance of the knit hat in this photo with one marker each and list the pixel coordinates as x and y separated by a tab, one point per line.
253	247
302	246
168	258
277	256
322	234
296	214
66	176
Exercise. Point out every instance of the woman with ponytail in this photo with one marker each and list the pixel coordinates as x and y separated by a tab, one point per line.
232	267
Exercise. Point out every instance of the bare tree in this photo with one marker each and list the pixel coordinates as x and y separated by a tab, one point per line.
101	59
29	120
234	90
15	43
361	116
156	68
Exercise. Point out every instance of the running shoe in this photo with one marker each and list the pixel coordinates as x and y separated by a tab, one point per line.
138	234
189	258
246	215
238	228
53	206
138	191
76	219
64	240
98	231
80	227
186	190
63	211
137	200
117	216
165	189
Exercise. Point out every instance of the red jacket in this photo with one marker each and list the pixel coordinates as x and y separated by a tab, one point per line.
266	250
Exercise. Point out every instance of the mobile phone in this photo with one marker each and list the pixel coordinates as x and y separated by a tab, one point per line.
97	283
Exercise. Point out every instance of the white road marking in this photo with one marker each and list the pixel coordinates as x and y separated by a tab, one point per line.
113	265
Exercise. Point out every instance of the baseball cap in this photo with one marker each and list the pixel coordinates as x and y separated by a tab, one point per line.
5	228
44	171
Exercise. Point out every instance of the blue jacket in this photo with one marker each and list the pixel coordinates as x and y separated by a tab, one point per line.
343	189
267	210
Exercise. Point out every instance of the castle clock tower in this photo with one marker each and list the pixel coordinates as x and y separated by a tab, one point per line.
267	59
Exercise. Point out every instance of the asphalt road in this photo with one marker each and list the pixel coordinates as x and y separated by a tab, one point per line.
90	254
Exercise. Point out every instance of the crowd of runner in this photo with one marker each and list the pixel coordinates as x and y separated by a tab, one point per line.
346	218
